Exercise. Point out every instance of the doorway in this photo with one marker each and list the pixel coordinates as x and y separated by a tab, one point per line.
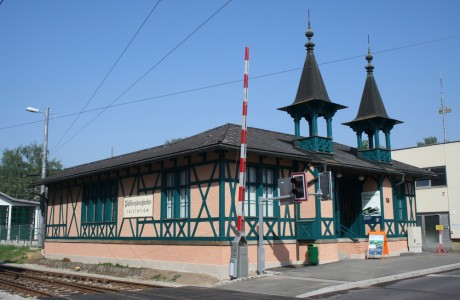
430	236
349	195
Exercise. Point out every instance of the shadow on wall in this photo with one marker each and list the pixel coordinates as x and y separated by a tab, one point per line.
280	251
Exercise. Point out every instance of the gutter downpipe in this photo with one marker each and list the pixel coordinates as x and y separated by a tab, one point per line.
403	179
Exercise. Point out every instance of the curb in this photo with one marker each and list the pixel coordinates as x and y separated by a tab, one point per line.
374	281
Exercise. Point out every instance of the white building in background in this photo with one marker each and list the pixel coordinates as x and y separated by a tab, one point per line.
18	220
438	200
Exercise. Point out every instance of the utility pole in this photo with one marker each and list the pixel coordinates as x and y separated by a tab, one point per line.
41	216
41	229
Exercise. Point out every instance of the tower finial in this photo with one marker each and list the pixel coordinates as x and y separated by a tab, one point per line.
369	57
309	34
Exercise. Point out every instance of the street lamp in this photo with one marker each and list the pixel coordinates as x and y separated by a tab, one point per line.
41	217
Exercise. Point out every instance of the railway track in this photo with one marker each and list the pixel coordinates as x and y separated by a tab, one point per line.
42	284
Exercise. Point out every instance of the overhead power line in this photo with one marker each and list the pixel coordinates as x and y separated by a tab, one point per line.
107	75
145	74
225	83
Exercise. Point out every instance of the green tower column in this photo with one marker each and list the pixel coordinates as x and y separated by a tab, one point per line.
314	125
387	140
377	138
359	138
329	127
297	126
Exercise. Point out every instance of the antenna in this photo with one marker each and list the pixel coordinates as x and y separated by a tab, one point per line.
443	111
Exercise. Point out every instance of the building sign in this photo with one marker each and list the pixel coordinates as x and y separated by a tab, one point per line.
378	245
372	210
138	207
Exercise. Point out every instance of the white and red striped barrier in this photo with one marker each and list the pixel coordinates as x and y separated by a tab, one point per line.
242	179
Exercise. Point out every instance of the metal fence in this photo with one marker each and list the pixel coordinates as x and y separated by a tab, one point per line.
19	234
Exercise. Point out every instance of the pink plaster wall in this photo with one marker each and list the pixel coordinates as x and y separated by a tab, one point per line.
388	194
188	254
370	185
327	209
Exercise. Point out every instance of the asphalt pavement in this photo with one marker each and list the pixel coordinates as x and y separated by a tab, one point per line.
304	281
308	281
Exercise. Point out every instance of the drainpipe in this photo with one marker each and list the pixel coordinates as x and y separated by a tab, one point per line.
402	180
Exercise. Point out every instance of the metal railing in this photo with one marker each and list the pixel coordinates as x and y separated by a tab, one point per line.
19	234
345	232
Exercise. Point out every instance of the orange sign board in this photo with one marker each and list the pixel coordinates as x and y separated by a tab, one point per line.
378	244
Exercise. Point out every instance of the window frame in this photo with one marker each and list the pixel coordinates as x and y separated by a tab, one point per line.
99	203
259	184
433	183
176	194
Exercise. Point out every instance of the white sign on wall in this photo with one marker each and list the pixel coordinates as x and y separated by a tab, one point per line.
138	207
371	203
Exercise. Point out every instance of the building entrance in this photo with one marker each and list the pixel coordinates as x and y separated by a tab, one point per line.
430	236
349	194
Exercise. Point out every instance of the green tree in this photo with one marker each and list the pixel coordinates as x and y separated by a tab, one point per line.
172	141
365	145
431	140
21	167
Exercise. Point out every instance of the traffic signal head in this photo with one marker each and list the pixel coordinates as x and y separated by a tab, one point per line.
299	186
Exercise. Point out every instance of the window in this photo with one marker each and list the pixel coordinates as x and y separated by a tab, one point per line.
177	194
3	215
99	202
252	194
169	195
250	203
183	194
267	182
22	215
440	180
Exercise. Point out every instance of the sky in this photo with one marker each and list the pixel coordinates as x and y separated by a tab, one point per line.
178	71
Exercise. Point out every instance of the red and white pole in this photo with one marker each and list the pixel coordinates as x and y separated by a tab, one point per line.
441	248
244	128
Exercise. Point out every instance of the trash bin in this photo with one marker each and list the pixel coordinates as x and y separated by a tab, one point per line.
313	254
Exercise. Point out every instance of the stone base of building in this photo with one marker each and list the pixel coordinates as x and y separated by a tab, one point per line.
209	258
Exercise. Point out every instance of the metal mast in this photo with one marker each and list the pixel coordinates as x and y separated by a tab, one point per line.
443	111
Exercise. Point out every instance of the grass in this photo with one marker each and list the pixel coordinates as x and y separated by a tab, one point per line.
109	264
14	254
160	277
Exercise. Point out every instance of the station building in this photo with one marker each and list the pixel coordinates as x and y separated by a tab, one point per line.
175	206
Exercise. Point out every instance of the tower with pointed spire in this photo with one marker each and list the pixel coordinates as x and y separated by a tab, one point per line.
372	119
312	102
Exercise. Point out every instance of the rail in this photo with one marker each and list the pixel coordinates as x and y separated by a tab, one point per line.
345	232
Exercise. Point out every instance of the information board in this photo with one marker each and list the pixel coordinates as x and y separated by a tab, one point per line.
372	210
378	246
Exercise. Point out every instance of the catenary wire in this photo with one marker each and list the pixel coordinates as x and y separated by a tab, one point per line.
143	75
225	83
107	75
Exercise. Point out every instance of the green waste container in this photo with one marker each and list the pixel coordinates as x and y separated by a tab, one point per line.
313	254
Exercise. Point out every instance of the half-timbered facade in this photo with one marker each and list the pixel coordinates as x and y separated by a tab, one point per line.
174	206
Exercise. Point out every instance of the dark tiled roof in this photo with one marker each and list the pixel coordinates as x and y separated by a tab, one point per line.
371	102
371	105
227	136
311	86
